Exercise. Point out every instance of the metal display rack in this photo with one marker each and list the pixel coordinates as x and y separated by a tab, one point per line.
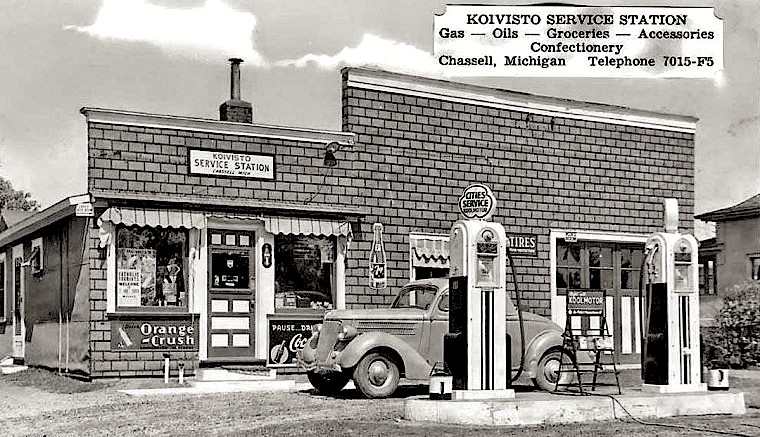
592	338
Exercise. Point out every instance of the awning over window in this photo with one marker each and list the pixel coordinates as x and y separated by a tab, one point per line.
430	252
165	218
305	226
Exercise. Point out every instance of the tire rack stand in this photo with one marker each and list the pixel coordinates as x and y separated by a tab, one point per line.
597	341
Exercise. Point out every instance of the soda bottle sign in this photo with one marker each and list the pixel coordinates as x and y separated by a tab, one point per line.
378	277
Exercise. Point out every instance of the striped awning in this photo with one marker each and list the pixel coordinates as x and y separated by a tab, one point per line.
306	226
430	252
165	218
294	225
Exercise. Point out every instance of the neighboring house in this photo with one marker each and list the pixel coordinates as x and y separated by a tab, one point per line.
9	217
735	250
704	232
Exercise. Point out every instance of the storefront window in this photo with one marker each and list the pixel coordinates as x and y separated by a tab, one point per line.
303	277
151	268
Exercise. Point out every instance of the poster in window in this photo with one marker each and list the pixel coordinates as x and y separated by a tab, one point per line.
128	287
144	262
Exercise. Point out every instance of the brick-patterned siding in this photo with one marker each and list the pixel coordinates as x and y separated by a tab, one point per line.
412	159
415	155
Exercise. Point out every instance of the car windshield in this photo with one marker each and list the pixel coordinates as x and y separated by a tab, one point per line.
419	296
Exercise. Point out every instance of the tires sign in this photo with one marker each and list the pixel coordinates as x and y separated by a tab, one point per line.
477	202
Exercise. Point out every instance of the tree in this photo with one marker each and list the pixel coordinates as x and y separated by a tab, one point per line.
11	198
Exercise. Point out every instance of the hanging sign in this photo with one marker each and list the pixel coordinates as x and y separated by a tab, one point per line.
585	302
84	210
477	202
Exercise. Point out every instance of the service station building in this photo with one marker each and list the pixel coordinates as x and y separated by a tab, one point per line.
223	241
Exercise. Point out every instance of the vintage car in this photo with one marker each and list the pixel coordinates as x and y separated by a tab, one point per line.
377	347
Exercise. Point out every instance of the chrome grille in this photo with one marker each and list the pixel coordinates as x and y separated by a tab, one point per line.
391	327
328	336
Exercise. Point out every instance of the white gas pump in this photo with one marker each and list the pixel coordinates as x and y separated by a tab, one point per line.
670	355
476	350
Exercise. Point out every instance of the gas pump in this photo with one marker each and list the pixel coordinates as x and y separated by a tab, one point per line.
476	349
670	353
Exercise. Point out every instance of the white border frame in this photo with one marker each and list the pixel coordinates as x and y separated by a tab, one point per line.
4	294
421	236
37	243
602	236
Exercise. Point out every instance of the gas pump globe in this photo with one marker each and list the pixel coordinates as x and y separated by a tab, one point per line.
670	355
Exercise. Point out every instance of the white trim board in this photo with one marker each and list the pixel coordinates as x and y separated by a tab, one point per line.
157	121
515	101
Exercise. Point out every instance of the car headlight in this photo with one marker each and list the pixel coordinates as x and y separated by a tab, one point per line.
347	333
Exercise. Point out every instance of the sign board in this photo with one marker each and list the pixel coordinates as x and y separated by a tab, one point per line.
585	302
571	237
286	337
522	245
578	41
477	202
154	335
231	164
85	210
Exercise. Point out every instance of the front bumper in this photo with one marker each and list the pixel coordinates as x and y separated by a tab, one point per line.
319	355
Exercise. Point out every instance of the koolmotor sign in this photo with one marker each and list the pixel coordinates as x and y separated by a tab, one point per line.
154	335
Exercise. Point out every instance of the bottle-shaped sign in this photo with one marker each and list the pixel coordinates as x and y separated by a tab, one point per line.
378	275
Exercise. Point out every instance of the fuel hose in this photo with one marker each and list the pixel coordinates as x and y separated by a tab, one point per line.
519	318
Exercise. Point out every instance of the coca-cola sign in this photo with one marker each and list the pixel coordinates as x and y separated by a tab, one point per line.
286	337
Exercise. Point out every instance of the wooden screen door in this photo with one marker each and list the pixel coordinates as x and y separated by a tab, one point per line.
231	285
19	328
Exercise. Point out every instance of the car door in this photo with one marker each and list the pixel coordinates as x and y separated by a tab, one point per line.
438	327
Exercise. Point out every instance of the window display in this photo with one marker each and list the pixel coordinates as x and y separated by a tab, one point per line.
150	267
303	277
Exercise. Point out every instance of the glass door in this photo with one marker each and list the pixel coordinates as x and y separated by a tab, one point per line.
231	285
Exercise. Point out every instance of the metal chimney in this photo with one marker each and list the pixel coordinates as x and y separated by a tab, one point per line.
235	109
235	78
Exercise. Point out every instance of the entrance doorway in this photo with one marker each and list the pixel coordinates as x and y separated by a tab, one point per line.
19	328
613	267
231	295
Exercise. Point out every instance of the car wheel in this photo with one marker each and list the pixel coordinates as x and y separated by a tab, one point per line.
376	375
328	383
547	370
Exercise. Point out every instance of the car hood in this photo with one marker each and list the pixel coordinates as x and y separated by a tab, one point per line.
376	314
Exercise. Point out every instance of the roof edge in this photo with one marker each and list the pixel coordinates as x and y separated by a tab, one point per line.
47	216
142	119
460	92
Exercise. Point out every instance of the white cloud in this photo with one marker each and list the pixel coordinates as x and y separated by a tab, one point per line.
374	51
210	31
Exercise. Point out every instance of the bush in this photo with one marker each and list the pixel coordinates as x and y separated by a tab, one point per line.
735	341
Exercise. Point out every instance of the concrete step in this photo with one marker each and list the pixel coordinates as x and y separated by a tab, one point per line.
217	374
13	368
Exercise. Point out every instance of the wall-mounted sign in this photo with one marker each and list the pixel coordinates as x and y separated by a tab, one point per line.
286	337
378	272
231	164
477	202
522	245
266	255
586	302
154	335
85	210
571	237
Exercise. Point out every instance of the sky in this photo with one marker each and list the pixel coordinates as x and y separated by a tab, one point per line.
170	57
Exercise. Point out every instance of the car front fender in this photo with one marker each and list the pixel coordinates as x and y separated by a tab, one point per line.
414	365
549	339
